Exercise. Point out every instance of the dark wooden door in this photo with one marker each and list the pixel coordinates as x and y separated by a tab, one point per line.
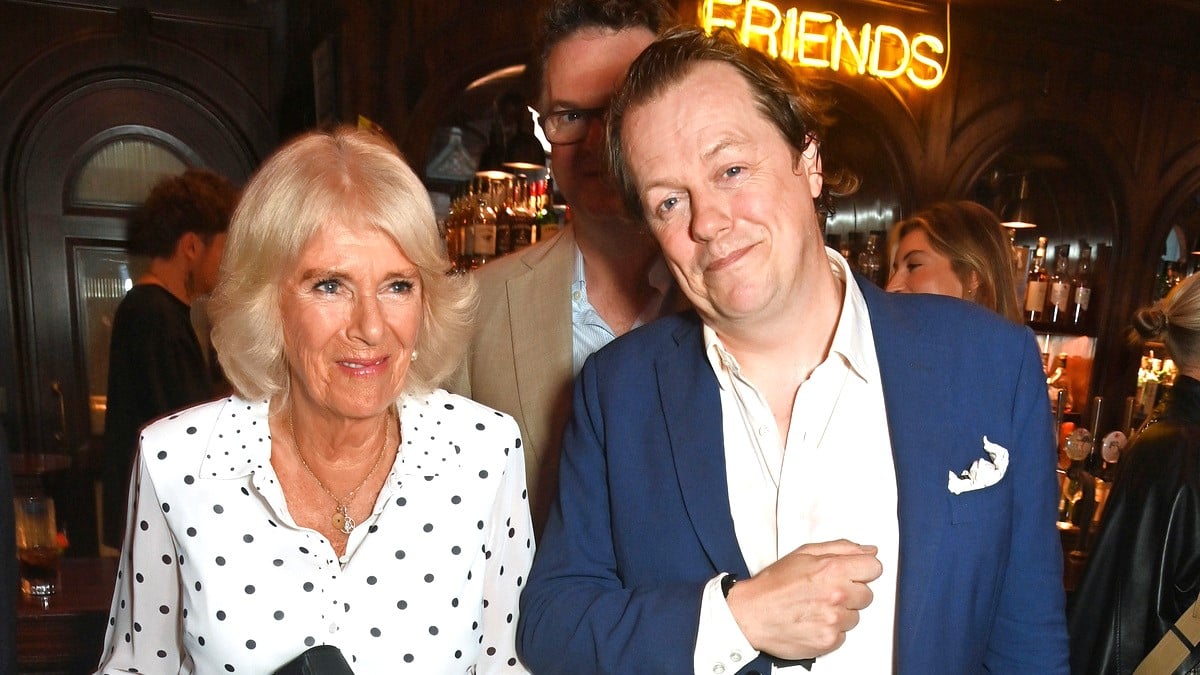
84	165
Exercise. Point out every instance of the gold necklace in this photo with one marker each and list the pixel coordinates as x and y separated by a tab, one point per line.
341	513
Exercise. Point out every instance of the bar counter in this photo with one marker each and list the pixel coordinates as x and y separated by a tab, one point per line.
64	634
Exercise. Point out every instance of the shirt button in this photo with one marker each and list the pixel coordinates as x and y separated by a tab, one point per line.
577	295
719	668
736	657
763	430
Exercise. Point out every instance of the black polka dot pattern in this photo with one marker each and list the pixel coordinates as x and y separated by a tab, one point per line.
217	572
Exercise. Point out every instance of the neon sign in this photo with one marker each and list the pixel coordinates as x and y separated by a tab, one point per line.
822	40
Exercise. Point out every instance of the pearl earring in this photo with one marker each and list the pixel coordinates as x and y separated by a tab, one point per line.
413	357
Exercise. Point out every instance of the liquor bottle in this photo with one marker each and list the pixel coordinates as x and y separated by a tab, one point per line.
500	195
546	220
450	231
1081	298
1035	288
1058	381
870	261
479	242
1058	300
520	215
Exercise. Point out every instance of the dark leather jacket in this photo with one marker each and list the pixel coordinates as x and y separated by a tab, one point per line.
1144	568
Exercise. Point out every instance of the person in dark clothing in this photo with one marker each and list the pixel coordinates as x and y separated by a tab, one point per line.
1143	571
156	363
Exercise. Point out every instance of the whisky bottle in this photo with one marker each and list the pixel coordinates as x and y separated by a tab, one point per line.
1081	298
1059	299
520	213
479	241
1058	381
500	196
1035	288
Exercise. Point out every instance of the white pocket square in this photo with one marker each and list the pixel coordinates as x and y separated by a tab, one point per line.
982	472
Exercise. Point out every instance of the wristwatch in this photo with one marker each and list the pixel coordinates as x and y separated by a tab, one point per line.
727	583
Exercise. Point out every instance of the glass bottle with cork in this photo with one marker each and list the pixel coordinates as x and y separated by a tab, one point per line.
1081	296
1035	288
1058	299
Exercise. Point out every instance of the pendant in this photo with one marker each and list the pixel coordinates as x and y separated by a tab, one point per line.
342	520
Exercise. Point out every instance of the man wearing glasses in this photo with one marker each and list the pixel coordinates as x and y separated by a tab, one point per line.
545	309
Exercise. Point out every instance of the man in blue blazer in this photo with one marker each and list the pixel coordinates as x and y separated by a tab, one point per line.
803	467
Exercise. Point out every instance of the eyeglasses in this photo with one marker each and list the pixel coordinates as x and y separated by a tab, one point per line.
565	127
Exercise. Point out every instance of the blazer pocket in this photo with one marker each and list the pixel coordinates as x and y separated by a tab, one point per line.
989	504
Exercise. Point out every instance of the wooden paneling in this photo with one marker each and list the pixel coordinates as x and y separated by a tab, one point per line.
64	634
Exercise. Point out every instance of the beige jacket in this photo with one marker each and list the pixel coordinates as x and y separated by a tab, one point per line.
520	359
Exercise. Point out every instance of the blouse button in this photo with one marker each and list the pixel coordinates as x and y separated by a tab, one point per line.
333	627
719	668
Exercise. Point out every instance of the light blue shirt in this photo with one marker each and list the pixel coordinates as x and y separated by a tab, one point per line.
589	332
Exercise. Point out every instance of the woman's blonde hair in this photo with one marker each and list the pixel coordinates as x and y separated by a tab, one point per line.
344	175
973	239
1175	320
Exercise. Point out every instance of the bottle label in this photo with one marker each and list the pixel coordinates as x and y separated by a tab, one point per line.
1060	295
481	239
1035	296
1083	296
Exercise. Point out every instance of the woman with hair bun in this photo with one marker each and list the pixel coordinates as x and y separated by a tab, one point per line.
1143	572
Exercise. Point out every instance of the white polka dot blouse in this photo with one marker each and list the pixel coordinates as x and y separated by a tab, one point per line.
216	576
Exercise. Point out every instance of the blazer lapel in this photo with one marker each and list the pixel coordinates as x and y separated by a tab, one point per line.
910	368
692	409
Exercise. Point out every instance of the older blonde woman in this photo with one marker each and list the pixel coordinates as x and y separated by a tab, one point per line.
338	498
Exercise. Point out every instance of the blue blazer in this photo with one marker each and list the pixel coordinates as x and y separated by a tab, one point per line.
642	520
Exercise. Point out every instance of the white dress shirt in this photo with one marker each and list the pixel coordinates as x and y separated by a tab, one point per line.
216	576
833	478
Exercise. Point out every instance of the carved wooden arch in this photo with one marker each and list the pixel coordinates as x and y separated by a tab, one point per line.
443	95
1078	169
454	58
1180	206
53	73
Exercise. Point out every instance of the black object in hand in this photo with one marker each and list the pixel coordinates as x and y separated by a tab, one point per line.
319	660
